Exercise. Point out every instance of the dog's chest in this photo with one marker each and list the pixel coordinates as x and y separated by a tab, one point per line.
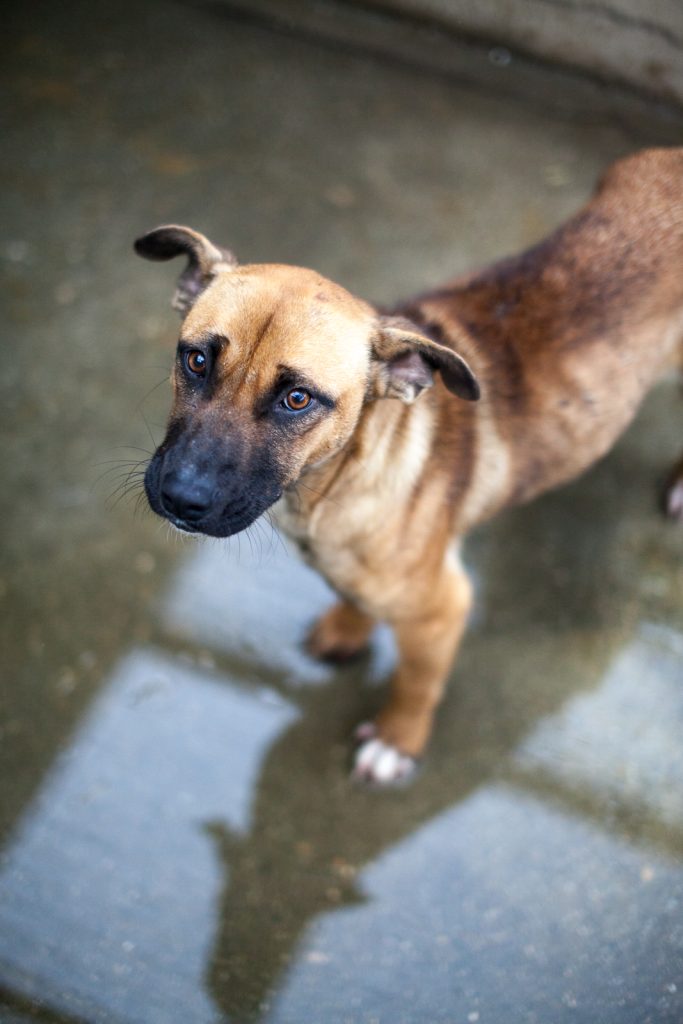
292	520
328	543
309	529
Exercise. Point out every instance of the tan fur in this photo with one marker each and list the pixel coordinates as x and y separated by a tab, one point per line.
564	340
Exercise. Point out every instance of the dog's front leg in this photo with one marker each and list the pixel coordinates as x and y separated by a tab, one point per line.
427	635
340	634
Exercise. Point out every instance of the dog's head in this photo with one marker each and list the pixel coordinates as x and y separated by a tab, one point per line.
273	368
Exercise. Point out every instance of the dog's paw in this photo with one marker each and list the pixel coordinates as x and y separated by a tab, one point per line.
673	499
338	652
340	635
378	763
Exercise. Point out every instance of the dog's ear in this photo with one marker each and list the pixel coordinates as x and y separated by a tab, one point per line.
204	260
405	361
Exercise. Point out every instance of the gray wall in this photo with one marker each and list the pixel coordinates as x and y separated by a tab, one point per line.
639	42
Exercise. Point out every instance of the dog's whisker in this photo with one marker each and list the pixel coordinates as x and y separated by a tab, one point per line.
123	484
249	534
140	506
130	448
164	380
122	494
119	462
276	540
149	430
129	479
119	473
265	542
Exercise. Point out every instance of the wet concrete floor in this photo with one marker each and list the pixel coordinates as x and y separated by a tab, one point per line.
180	841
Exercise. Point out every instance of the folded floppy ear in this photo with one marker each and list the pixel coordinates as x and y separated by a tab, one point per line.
405	361
205	260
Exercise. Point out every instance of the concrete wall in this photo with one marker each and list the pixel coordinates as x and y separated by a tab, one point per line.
639	42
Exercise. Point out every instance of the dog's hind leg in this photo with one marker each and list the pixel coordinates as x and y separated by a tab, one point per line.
673	493
341	634
673	490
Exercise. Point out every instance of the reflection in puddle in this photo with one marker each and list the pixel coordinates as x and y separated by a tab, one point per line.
513	912
108	891
622	743
625	739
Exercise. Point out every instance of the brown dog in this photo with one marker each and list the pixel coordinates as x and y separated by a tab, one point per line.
286	386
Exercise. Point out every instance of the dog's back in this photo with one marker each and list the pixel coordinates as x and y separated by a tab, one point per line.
567	337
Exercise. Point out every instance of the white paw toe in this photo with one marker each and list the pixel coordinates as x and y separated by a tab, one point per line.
377	762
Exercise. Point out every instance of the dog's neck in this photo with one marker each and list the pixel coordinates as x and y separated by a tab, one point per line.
375	456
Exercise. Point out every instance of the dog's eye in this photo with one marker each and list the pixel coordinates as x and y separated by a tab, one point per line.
195	361
297	400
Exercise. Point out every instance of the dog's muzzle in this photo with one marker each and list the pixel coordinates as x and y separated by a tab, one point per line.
186	496
215	501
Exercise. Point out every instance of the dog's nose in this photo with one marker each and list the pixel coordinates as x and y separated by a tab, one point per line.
186	497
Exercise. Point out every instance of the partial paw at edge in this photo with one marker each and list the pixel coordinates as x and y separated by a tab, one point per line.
673	499
327	642
335	654
378	763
